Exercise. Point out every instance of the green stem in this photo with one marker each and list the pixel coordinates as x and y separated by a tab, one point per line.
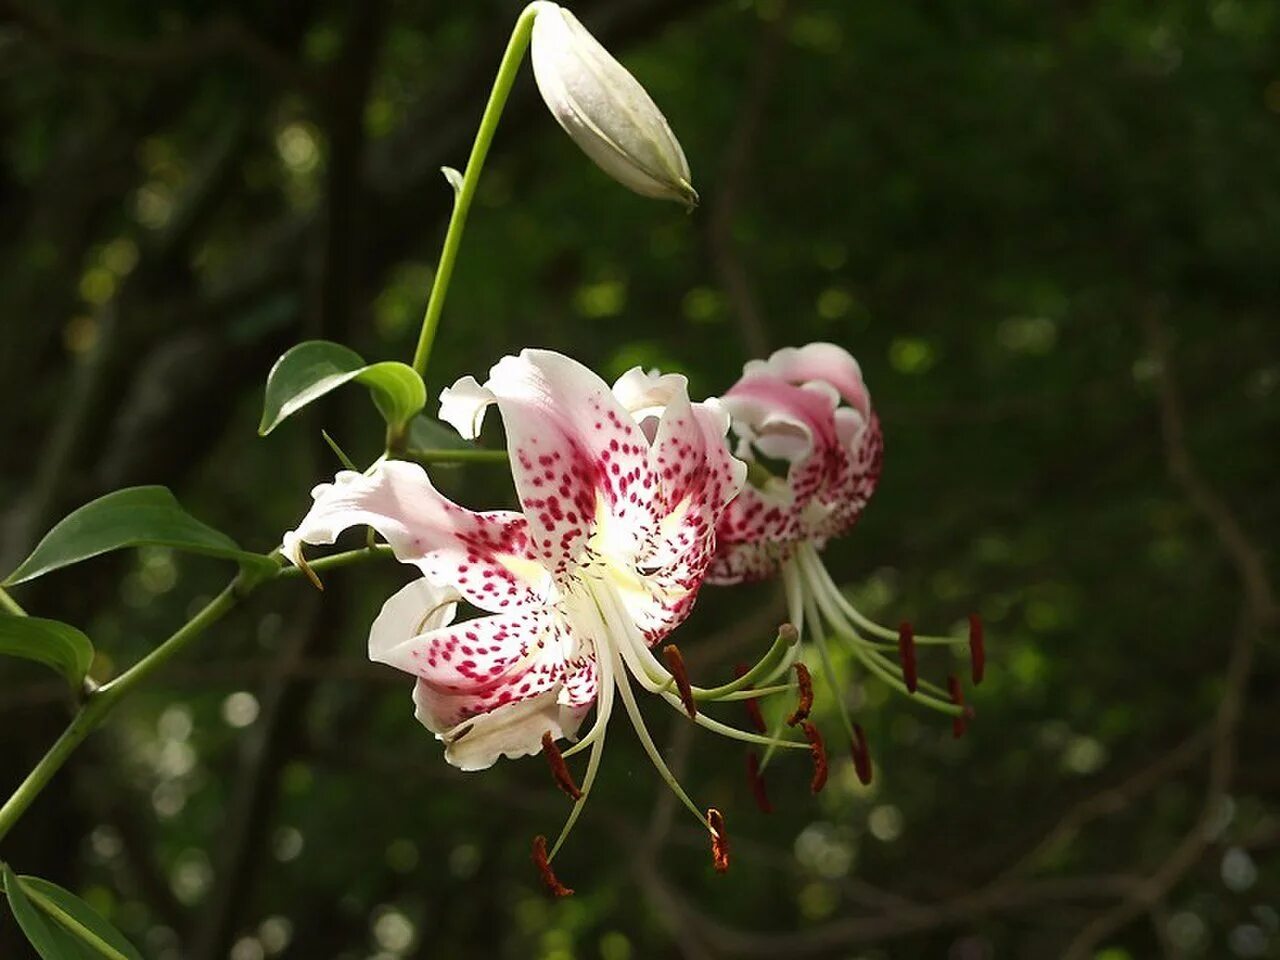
457	456
8	603
100	701
335	560
507	70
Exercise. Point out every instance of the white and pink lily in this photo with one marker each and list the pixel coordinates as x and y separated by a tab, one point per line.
621	491
807	411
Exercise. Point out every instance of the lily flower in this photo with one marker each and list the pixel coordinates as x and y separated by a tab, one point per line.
804	423
621	493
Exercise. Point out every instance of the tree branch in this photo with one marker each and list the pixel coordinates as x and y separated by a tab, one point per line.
1257	612
221	37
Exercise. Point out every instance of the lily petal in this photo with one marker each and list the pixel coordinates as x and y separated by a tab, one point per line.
576	453
746	561
696	478
513	730
646	395
416	608
822	362
486	556
493	659
463	406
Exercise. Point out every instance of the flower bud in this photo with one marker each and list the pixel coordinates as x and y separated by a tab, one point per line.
605	110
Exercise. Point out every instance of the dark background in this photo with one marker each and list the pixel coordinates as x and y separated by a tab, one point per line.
1050	233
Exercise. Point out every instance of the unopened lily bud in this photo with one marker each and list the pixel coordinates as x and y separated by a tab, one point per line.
605	110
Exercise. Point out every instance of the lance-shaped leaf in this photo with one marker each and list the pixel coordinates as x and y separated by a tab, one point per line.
133	517
61	926
57	645
312	369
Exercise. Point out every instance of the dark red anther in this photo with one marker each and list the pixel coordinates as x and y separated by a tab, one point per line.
861	755
543	863
961	722
907	655
977	648
805	704
719	840
559	769
675	663
756	781
817	750
752	704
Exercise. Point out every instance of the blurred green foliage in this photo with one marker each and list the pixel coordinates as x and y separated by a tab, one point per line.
982	200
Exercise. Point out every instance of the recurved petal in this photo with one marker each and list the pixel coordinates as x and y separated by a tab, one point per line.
644	393
550	690
696	477
858	475
418	607
463	406
513	730
791	423
492	660
820	362
486	556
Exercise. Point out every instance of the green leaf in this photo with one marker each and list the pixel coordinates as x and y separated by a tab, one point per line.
59	924
312	369
49	939
428	434
48	943
136	516
78	919
57	645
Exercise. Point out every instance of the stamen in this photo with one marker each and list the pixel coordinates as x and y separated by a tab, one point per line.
931	696
861	755
719	840
907	655
818	750
604	709
752	705
675	663
642	732
733	733
805	683
559	769
776	661
961	721
977	648
549	880
756	781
